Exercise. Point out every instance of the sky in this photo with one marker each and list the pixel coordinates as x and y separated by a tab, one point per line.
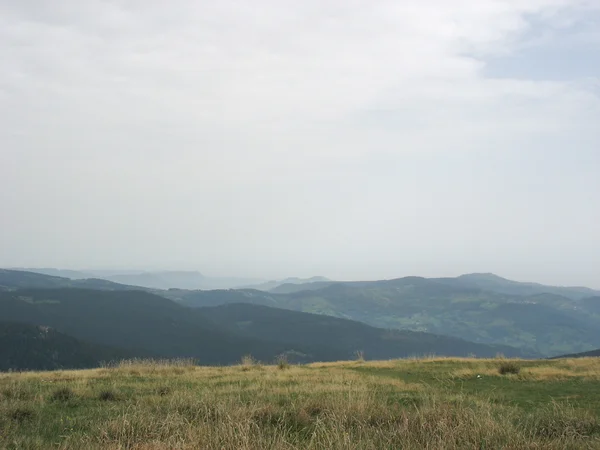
351	139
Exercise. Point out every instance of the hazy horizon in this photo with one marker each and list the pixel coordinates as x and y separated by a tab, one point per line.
107	271
361	140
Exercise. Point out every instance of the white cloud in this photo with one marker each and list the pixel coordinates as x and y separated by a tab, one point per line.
134	106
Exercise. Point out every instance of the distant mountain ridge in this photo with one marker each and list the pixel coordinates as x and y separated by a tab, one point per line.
15	279
485	281
294	281
590	354
62	273
161	279
547	323
492	282
194	280
480	308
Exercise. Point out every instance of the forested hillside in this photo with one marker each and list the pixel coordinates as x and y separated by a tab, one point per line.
545	323
143	324
33	347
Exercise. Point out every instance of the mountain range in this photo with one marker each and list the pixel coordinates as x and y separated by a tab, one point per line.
147	325
481	308
171	279
307	320
167	279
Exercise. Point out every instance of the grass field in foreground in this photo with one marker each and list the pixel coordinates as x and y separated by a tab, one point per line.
410	404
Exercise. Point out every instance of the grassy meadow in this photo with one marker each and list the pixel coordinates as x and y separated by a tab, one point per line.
434	403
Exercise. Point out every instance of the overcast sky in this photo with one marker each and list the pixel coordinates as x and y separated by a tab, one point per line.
268	138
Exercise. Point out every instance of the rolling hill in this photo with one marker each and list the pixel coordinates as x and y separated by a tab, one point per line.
144	324
480	308
133	320
494	283
299	283
483	281
545	323
590	354
345	336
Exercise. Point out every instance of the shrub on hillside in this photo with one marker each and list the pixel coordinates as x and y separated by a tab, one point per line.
164	390
282	362
247	360
21	414
107	396
63	394
509	367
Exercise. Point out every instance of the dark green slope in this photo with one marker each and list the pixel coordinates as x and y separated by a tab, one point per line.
31	347
141	322
346	336
144	324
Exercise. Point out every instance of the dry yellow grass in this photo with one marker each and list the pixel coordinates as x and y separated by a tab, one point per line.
584	368
588	365
346	405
